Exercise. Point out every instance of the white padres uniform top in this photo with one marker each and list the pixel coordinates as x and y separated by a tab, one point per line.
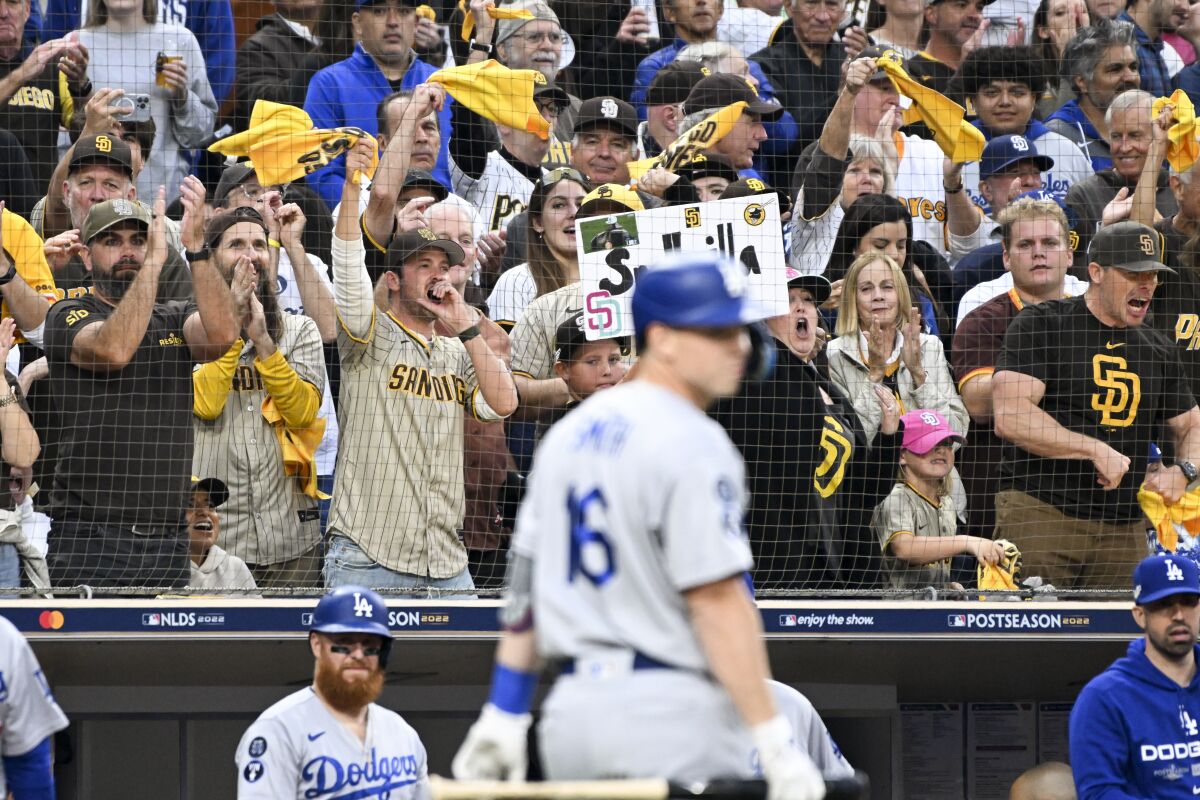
499	193
919	187
534	339
512	294
28	712
297	749
634	497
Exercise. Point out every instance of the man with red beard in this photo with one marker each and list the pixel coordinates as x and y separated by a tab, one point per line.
331	739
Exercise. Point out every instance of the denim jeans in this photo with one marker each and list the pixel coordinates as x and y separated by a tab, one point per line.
346	563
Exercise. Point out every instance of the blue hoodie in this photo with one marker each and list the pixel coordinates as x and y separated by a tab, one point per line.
1135	733
1072	115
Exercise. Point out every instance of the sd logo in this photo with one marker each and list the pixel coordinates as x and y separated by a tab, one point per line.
1122	391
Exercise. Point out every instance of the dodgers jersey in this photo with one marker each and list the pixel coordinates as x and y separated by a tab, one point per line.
28	713
297	749
634	497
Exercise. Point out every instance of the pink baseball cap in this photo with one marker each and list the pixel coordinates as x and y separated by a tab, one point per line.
925	429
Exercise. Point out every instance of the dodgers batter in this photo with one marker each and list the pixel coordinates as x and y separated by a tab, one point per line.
628	569
330	740
29	717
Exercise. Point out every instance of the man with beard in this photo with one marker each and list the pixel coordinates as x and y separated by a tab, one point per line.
331	738
1134	729
398	496
121	375
264	390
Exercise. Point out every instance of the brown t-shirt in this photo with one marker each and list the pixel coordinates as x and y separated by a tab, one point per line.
977	343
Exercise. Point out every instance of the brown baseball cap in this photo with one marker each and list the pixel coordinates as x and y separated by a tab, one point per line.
405	245
103	216
674	82
1130	246
607	111
718	91
102	148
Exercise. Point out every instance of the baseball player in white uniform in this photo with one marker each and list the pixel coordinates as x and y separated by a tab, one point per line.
627	571
330	740
29	717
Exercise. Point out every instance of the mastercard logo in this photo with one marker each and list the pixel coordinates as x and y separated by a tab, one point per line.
51	620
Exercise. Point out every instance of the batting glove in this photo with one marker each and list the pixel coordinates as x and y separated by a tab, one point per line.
495	747
790	774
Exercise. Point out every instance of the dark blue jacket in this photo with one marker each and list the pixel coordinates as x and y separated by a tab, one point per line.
1151	66
1136	734
1075	125
1188	79
347	93
210	21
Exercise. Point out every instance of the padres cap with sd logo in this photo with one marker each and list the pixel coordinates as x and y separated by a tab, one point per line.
102	148
1130	246
103	216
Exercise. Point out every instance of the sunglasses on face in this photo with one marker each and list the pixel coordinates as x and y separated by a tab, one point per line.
346	649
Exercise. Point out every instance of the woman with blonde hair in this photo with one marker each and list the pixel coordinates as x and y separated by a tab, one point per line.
131	50
880	343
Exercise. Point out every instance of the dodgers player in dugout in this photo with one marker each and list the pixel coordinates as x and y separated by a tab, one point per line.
331	739
29	718
627	571
1135	729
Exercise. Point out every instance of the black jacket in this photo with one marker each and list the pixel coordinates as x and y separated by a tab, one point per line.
275	64
805	89
814	479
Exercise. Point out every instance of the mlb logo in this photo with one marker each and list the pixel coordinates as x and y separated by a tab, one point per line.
152	619
306	618
957	620
787	620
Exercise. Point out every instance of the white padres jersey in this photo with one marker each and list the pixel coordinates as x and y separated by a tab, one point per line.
634	497
512	294
811	735
297	749
919	187
28	712
499	193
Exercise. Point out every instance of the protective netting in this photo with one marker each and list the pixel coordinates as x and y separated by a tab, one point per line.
970	226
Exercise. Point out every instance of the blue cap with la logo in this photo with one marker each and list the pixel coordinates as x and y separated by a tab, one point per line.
1164	575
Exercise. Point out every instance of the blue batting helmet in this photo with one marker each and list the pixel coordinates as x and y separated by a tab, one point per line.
354	609
701	291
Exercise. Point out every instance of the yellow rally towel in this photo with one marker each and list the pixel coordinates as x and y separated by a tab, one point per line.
426	12
299	448
495	13
960	140
1003	575
495	92
284	146
696	139
1182	148
1175	522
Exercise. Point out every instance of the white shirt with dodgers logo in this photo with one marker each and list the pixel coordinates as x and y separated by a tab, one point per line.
297	749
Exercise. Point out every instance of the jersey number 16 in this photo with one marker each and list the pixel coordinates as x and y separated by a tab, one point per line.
592	554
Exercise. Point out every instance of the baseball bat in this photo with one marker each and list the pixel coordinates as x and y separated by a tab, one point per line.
854	788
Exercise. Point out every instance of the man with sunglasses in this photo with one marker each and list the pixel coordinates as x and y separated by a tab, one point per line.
331	739
1135	729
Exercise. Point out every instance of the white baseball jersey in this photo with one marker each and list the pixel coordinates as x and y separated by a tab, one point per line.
512	294
919	187
500	193
635	497
28	713
297	749
811	735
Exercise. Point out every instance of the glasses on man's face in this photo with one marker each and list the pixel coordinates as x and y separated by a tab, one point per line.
255	194
533	38
369	650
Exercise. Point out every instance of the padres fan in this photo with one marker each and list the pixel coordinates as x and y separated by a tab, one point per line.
1080	390
398	501
252	405
331	739
1135	729
628	570
29	716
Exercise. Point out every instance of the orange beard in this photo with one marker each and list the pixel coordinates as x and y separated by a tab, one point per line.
347	696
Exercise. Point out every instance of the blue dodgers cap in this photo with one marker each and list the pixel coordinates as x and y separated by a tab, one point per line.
1004	151
693	291
1160	576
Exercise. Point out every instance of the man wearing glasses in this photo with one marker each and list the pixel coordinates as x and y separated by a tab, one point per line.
330	738
539	43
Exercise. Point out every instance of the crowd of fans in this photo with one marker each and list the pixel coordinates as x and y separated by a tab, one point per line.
231	385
